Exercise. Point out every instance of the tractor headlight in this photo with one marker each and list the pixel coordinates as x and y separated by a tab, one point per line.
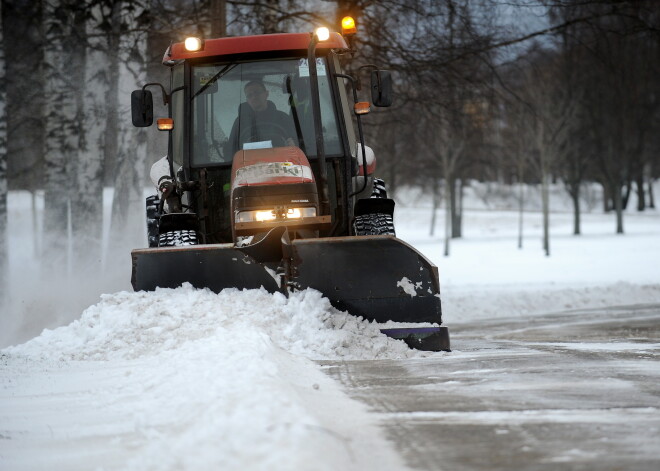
193	44
322	33
262	215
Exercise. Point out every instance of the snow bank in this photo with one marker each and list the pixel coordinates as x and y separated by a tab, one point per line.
467	304
131	325
189	379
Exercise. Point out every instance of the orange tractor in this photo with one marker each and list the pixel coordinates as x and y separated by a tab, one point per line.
267	184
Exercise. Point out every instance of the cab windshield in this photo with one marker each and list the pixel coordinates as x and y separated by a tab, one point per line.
252	105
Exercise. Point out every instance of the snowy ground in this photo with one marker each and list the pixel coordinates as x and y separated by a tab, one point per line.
186	379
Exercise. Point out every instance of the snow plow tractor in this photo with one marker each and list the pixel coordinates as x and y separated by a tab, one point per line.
268	184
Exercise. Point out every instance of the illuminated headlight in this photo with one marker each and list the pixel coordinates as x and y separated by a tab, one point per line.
323	33
193	44
272	214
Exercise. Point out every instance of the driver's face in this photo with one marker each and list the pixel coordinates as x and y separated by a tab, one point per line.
257	97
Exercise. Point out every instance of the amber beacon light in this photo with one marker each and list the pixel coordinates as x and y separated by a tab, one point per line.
348	26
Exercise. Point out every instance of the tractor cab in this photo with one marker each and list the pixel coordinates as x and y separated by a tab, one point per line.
234	98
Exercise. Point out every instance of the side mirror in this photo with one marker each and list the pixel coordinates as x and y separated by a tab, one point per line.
142	108
381	88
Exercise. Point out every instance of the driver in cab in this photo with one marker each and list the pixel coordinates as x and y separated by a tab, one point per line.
260	124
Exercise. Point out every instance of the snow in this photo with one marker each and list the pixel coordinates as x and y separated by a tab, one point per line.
408	286
189	379
126	326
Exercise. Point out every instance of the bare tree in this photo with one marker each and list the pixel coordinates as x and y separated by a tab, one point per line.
4	262
60	142
86	179
128	203
218	14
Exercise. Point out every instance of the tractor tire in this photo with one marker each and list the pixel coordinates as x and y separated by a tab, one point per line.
376	223
153	216
177	238
378	189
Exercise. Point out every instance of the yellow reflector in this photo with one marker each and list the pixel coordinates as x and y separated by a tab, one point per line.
362	107
165	124
348	26
323	33
193	44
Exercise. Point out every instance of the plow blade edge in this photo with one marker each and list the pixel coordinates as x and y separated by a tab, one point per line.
380	278
204	266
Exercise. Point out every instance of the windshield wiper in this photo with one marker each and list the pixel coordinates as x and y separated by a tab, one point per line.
214	79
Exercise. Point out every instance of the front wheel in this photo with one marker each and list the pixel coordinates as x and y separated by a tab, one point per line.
153	218
374	222
177	238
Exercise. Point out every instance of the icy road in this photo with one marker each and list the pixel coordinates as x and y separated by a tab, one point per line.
573	391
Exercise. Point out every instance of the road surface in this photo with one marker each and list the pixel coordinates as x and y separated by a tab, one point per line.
578	390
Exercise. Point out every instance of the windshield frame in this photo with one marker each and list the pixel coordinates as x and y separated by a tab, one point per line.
335	96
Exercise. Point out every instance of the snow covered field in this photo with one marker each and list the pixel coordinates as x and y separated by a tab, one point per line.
487	276
187	379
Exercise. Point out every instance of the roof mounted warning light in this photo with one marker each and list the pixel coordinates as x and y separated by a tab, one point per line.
348	27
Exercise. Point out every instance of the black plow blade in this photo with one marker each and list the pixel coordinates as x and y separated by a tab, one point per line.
434	339
380	278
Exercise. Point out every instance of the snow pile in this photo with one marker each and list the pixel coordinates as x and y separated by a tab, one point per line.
131	325
189	379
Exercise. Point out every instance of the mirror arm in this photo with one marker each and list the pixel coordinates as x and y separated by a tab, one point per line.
365	66
166	98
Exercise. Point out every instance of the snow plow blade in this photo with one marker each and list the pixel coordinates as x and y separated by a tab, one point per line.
380	278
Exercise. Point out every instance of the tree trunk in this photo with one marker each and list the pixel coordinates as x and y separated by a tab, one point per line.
647	178
545	193
36	232
575	197
270	20
457	208
87	199
651	197
618	207
127	225
157	43
4	249
447	218
436	205
111	135
607	197
218	12
641	195
521	208
25	98
545	190
60	112
521	199
626	195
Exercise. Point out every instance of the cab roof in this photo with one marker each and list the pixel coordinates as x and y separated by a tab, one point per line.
252	44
